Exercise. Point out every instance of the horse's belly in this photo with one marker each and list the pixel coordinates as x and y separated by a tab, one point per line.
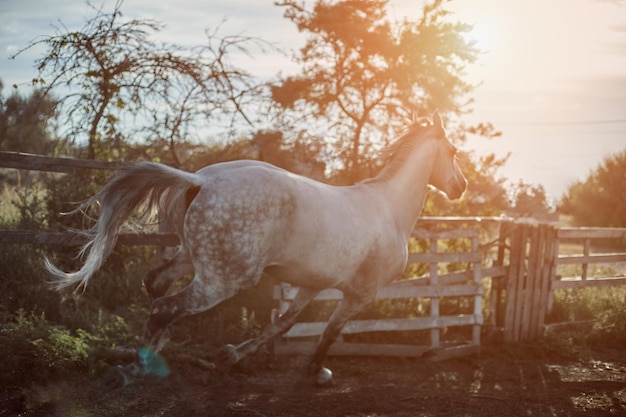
303	277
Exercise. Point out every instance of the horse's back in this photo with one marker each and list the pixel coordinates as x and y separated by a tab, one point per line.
241	210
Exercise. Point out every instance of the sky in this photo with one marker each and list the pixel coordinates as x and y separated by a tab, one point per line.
552	77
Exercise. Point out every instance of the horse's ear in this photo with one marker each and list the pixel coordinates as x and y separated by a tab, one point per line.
437	120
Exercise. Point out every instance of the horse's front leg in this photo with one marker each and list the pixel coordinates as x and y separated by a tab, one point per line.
230	354
348	307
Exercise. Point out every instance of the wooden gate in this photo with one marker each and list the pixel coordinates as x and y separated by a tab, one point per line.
528	281
521	301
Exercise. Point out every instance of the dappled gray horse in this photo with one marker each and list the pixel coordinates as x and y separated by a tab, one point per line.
237	220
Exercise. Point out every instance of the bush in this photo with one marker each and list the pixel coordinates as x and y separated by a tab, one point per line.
34	350
605	306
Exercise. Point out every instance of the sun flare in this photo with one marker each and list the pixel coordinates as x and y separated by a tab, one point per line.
485	35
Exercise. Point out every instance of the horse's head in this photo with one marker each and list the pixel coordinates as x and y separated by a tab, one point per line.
446	175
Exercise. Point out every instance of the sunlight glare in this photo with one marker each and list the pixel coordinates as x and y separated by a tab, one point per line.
484	35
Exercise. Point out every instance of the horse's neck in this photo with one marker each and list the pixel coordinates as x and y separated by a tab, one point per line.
405	190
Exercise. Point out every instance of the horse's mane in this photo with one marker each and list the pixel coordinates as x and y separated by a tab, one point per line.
395	154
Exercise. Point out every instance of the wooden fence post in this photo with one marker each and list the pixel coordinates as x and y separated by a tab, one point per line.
478	298
434	301
498	284
546	273
511	305
530	291
532	264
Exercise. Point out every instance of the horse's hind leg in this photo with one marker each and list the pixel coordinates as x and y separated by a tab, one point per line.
159	280
233	354
200	295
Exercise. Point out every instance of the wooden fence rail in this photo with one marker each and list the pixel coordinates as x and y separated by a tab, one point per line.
18	237
31	162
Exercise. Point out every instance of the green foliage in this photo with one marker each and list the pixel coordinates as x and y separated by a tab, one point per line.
599	200
33	349
29	202
609	329
25	122
604	306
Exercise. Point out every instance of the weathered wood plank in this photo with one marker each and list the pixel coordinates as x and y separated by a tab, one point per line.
292	347
427	258
307	329
32	162
377	349
446	353
432	291
546	277
420	233
435	332
478	297
591	232
77	239
521	278
511	293
591	258
529	313
288	293
578	282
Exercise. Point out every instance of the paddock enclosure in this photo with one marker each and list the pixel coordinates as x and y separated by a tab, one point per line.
467	279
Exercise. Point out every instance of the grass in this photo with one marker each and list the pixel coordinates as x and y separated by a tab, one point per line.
9	213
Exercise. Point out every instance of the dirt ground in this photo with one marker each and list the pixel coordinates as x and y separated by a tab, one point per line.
500	381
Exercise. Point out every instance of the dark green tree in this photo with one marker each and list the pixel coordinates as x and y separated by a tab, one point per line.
26	122
600	200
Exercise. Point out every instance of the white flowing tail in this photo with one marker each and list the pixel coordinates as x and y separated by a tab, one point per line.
160	186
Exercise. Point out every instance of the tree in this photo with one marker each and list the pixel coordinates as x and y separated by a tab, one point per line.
599	200
530	200
363	74
25	122
118	84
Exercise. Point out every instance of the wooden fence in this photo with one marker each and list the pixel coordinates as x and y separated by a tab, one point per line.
435	286
514	264
31	162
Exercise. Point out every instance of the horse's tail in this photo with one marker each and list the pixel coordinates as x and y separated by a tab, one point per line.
160	186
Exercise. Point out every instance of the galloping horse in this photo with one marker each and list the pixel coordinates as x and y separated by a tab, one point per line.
237	220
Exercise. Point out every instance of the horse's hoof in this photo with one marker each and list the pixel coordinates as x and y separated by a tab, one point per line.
227	357
115	378
324	378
